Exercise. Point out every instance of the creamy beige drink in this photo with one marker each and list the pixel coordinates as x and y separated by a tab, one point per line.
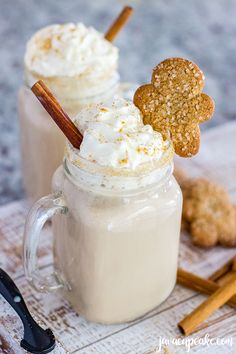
116	244
118	250
80	67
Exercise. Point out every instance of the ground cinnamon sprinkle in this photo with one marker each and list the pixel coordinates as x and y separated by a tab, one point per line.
47	44
124	161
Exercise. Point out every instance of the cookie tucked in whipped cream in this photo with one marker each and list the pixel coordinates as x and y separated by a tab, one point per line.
115	136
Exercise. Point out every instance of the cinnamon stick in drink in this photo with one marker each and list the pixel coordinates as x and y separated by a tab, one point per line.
119	23
55	110
208	307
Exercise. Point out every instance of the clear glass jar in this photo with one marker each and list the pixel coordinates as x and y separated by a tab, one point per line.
116	239
42	143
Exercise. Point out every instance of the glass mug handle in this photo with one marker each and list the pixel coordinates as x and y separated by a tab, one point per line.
40	213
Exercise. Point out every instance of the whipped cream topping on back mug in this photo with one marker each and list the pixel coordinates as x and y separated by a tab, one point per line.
70	49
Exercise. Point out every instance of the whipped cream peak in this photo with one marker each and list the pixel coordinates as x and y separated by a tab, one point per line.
70	50
115	136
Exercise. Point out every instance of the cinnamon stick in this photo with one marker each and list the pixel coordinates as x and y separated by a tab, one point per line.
234	264
54	109
119	23
213	303
205	286
222	270
223	280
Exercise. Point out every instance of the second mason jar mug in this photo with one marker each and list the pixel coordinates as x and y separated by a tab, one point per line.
116	238
80	67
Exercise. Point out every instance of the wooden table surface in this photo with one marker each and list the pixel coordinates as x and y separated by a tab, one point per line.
74	334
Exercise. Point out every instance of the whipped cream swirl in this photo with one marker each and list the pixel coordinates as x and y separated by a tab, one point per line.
70	50
115	136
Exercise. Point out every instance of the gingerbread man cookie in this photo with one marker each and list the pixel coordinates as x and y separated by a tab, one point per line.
174	103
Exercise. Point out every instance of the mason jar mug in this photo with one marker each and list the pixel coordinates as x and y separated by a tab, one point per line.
116	238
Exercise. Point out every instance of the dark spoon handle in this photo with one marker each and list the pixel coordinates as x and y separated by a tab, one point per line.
12	295
36	339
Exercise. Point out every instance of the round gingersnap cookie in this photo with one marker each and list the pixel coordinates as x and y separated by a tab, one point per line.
209	213
174	103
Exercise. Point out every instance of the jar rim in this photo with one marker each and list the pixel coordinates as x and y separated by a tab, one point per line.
99	178
59	85
141	170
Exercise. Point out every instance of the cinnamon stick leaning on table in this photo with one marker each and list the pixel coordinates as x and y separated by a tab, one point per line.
205	286
227	267
234	264
220	297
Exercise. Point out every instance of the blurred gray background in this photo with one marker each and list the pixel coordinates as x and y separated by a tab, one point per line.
201	30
